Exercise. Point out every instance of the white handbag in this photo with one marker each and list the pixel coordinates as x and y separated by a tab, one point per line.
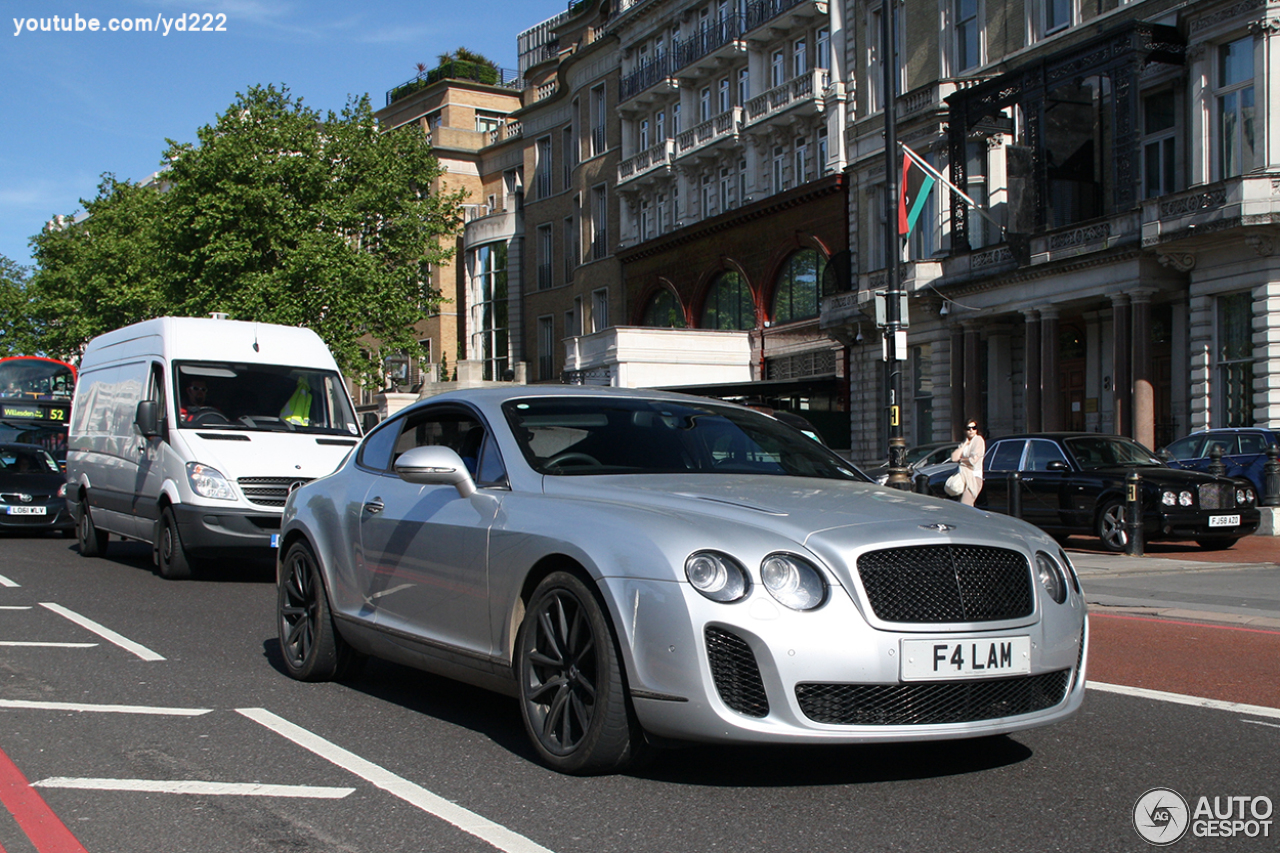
955	484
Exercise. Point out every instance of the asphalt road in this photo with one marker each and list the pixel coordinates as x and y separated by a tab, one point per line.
396	760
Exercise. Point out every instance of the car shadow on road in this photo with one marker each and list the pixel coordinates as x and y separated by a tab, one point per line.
137	555
497	718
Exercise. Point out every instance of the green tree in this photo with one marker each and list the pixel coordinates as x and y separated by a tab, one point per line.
16	336
278	214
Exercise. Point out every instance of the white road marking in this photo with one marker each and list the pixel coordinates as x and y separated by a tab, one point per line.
1260	723
33	643
103	632
4	581
29	705
1181	699
470	822
156	786
15	607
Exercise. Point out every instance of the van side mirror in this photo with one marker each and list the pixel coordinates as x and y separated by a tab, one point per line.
149	419
435	465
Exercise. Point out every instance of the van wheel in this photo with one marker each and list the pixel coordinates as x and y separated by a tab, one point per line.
93	542
174	564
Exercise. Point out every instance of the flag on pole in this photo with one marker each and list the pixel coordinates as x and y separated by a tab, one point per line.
916	185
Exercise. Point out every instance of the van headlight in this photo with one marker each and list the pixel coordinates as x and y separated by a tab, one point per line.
209	483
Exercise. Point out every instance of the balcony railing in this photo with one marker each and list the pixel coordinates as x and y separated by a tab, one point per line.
804	88
654	157
722	126
456	70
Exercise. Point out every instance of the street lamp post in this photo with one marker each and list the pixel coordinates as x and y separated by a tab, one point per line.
895	337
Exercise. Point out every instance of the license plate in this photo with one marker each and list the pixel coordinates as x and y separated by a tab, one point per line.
932	660
26	510
1224	521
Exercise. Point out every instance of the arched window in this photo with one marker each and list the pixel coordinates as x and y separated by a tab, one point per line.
729	304
663	311
799	285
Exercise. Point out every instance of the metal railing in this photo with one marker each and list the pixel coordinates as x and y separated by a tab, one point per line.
457	69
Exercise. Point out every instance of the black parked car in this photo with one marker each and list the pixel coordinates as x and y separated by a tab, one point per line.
1074	484
33	491
1244	452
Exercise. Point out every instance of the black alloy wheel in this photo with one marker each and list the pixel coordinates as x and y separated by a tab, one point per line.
312	647
1111	529
572	696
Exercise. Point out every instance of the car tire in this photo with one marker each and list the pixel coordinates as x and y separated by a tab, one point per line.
93	542
1217	543
1110	527
313	649
174	563
573	697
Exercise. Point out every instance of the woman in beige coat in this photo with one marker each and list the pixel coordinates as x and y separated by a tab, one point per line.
969	454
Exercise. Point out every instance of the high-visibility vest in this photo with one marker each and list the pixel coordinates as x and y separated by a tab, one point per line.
298	409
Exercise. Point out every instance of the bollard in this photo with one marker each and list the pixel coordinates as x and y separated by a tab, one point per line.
1133	513
1015	494
1217	467
1271	478
922	484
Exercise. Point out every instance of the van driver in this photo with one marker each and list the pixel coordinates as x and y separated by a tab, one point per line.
197	394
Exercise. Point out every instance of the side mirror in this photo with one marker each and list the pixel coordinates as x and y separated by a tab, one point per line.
435	466
1057	465
149	419
1164	454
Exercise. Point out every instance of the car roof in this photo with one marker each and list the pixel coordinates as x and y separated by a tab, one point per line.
497	395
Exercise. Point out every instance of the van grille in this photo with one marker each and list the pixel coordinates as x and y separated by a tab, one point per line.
269	491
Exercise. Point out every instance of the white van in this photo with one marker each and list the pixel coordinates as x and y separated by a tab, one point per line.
189	433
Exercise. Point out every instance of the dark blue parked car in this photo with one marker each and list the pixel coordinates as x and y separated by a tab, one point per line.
1244	452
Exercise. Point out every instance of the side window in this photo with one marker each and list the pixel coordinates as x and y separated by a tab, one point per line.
1005	456
1227	443
1041	454
1251	442
1186	448
376	451
492	471
457	430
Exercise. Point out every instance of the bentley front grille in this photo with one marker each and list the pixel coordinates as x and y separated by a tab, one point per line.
736	674
931	703
269	491
947	584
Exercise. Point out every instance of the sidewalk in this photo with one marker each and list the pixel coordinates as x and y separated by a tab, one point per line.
1179	580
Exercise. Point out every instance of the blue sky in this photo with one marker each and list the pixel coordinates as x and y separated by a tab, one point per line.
77	104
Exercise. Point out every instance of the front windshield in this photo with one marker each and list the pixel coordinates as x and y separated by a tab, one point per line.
225	395
1110	451
27	460
577	435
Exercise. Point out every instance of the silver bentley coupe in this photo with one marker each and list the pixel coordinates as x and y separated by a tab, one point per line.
640	568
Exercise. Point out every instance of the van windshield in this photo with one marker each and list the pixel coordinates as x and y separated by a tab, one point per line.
226	395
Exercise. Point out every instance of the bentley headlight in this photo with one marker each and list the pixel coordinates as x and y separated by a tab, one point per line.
209	483
793	581
1050	573
1244	497
1184	499
1168	498
717	576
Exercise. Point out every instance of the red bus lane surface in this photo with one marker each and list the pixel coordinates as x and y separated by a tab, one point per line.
47	833
1224	662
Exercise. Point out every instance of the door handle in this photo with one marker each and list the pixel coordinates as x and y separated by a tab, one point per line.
374	506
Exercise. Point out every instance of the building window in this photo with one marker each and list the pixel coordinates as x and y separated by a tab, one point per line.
1159	144
488	122
660	214
663	311
488	309
822	57
599	223
1235	360
572	250
599	310
729	304
744	86
876	236
795	297
799	57
1078	150
660	126
722	96
726	181
546	348
1236	111
704	104
742	182
968	35
922	392
511	184
777	69
644	135
821	165
545	250
675	119
1057	15
598	117
801	168
779	168
543	167
646	220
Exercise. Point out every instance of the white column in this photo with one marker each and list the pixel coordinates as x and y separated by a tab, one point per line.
1201	360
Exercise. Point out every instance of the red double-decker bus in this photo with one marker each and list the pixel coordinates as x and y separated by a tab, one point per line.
35	402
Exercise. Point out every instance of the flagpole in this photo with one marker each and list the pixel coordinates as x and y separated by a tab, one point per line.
893	357
938	176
